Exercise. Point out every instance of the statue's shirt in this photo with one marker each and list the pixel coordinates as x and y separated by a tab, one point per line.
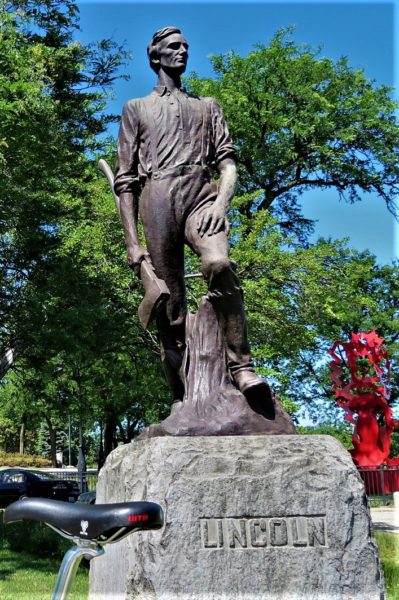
166	130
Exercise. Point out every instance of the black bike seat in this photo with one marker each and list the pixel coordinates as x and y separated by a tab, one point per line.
98	522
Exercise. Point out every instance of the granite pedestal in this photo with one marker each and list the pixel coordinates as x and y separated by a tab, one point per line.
249	517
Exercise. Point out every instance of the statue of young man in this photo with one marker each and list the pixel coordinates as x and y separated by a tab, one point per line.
170	145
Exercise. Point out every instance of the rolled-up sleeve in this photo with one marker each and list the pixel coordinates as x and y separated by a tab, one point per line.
222	143
126	169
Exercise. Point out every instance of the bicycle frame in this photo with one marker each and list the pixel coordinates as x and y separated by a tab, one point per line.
69	567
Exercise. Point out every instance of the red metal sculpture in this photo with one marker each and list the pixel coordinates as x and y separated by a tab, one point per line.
360	371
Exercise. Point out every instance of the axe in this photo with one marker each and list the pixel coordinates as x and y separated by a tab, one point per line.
156	290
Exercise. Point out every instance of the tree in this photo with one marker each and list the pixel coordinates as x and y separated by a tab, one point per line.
90	359
68	297
54	310
52	94
300	300
342	432
121	380
301	121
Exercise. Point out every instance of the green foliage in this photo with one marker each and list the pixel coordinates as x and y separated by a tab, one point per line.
301	121
43	440
300	300
68	301
388	546
395	445
52	93
36	539
91	359
341	432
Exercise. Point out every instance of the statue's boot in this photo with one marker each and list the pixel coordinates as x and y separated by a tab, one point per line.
256	391
226	296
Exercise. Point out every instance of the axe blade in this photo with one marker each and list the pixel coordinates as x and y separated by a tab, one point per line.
156	293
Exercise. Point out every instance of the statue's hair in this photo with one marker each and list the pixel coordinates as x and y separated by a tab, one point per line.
152	48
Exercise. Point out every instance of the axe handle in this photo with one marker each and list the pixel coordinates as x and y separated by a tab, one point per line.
106	169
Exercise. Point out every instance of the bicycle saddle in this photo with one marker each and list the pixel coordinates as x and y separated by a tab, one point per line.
102	523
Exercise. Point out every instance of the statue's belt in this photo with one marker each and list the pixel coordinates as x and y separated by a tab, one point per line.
180	170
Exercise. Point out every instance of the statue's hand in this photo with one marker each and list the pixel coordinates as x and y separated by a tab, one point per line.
135	255
212	220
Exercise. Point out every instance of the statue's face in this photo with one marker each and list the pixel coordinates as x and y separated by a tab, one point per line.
173	52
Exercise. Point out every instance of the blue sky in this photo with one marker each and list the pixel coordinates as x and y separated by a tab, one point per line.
362	31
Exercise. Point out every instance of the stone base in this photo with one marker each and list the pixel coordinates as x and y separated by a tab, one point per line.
229	414
251	517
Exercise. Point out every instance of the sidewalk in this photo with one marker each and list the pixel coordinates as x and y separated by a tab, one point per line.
385	519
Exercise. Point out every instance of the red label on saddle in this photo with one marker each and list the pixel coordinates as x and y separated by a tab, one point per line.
137	518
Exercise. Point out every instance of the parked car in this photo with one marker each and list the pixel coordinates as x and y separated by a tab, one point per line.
16	483
87	498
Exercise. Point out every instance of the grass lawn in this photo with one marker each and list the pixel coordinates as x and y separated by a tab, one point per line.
388	545
25	577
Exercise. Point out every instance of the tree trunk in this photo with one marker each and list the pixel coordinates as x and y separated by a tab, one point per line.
101	457
22	431
53	442
109	434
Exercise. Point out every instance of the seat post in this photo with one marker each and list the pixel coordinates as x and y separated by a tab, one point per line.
70	564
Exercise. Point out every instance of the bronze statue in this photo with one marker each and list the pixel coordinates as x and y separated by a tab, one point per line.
170	146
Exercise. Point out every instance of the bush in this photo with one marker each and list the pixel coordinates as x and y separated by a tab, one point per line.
341	432
23	460
34	538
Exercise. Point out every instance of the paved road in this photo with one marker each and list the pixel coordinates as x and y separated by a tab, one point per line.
385	519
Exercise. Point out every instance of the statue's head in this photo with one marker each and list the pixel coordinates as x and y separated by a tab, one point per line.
168	48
